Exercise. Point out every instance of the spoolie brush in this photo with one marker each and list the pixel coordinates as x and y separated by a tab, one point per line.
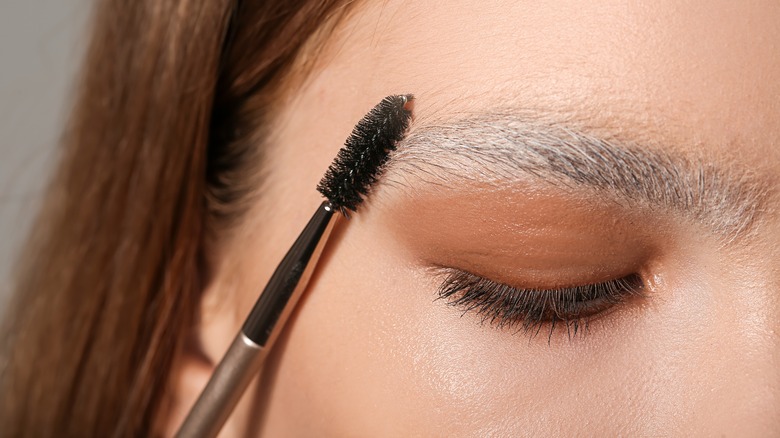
357	167
360	162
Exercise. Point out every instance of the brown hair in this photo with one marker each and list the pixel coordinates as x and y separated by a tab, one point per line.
173	104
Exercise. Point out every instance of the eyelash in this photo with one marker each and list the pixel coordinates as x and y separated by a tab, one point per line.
528	310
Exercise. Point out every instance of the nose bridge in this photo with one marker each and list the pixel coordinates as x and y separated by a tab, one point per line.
753	368
749	350
757	362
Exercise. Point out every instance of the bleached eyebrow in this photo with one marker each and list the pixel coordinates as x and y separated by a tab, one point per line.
502	147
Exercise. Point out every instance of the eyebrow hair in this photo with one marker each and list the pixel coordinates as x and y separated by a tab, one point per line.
502	146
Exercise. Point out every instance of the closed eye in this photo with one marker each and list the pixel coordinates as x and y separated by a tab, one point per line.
529	310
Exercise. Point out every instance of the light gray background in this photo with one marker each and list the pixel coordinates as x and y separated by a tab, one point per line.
41	45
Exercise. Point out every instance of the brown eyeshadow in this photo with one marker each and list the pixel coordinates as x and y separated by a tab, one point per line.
541	239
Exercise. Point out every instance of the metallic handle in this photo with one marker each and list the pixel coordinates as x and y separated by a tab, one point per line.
246	354
215	404
289	280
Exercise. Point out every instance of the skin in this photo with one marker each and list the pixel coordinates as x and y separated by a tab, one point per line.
371	352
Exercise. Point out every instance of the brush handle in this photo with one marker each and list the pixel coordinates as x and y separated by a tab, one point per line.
227	384
290	279
246	354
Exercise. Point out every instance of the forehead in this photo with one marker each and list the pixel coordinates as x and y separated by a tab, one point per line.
697	75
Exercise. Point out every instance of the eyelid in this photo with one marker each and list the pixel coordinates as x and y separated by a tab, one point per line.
529	310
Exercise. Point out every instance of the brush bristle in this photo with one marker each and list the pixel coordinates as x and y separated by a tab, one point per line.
360	162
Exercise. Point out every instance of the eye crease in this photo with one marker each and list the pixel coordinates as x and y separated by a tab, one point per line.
529	310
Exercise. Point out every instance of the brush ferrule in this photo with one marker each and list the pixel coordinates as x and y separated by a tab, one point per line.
290	279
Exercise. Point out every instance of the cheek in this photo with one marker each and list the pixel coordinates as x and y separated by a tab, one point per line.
370	349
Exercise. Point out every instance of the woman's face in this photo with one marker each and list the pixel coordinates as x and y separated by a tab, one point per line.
555	144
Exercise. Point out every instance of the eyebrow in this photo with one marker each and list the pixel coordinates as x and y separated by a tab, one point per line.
502	147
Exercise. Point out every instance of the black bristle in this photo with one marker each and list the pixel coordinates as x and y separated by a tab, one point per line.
360	162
